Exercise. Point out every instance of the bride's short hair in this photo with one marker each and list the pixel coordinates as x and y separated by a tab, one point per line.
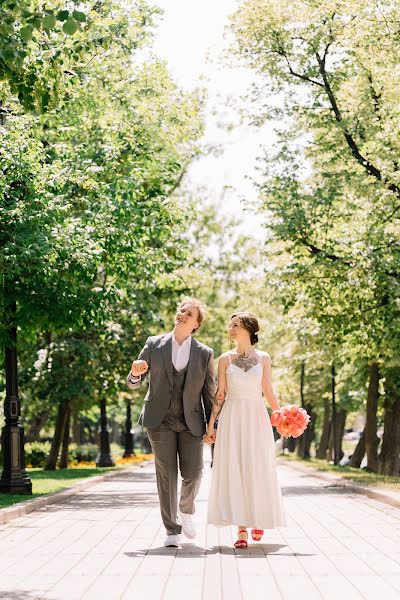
249	322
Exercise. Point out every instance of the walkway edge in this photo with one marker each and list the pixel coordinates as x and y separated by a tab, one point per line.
25	507
371	492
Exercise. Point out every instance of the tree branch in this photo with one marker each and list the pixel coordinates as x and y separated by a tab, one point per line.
299	75
366	164
178	182
314	250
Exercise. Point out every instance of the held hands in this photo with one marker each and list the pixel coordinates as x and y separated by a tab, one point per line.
139	367
209	437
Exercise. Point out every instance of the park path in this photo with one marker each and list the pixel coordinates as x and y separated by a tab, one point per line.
106	542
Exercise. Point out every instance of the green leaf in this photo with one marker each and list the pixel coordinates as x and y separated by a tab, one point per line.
63	15
45	100
35	22
49	22
26	34
79	16
70	26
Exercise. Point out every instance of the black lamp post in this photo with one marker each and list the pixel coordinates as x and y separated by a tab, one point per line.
104	458
129	436
14	479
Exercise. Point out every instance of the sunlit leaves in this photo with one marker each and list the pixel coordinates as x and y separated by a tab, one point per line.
334	66
97	236
44	52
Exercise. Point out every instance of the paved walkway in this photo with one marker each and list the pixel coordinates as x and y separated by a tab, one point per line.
106	543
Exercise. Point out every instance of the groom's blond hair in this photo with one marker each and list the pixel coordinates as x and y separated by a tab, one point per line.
201	309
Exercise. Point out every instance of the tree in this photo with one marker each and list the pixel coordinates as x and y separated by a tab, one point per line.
332	192
101	242
45	50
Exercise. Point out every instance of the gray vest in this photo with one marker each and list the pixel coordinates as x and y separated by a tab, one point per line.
199	388
175	417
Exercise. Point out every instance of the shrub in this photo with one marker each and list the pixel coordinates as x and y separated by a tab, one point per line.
84	453
36	453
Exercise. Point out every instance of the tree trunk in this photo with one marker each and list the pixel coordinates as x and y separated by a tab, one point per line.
326	428
35	427
301	439
305	440
371	437
58	436
291	444
389	459
359	452
340	422
65	441
76	429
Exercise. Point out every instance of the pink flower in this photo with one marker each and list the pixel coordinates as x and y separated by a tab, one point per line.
284	428
290	421
296	432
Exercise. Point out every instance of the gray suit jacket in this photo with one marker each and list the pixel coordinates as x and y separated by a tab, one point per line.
199	387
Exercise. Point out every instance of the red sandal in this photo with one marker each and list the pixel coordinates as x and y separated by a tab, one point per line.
257	534
241	543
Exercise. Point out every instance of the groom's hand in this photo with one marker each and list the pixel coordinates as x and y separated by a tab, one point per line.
209	437
139	367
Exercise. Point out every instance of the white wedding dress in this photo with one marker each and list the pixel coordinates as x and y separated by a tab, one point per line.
244	483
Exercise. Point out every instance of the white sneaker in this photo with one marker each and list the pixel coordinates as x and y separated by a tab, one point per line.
188	526
172	541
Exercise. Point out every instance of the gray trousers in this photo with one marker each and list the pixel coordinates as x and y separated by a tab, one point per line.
167	446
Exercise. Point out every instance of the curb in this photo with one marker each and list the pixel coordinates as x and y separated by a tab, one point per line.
25	507
392	499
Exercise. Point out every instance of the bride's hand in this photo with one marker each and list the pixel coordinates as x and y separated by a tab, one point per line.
209	437
206	439
220	395
210	440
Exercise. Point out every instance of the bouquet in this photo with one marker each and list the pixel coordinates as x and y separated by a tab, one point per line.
290	421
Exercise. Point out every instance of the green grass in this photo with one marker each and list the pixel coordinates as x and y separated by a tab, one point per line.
46	482
359	476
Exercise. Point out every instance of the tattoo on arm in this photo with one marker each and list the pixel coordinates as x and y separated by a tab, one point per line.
216	407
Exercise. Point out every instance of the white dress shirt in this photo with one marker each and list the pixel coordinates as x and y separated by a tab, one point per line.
181	353
180	356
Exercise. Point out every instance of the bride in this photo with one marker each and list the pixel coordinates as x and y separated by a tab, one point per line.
244	485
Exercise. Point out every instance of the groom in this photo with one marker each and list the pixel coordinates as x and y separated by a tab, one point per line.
176	408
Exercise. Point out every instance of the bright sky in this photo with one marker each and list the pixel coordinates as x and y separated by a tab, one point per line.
191	38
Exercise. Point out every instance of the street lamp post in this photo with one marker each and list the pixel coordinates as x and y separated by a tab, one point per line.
14	479
129	436
104	458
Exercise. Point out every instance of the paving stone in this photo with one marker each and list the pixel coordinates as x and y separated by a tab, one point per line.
107	542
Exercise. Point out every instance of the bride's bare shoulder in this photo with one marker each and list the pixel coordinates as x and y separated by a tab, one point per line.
225	358
264	356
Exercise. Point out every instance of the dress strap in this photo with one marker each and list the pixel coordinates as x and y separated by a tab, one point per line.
229	356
